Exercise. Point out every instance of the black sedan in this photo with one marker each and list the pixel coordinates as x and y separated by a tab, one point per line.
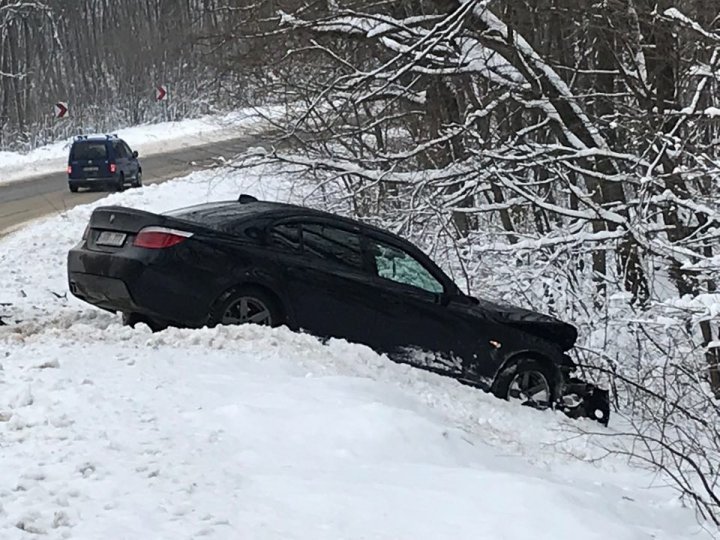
251	261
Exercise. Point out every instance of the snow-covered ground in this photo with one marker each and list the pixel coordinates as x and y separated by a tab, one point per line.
148	139
256	433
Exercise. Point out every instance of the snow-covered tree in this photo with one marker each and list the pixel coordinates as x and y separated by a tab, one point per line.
560	153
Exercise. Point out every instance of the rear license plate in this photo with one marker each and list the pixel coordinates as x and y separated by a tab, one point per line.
108	238
91	169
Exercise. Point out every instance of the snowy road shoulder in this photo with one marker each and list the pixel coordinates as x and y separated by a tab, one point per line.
249	432
148	139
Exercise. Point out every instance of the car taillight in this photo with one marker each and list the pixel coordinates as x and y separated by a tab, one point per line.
69	169
113	168
160	237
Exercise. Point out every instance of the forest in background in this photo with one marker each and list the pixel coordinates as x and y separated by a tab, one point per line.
105	58
560	154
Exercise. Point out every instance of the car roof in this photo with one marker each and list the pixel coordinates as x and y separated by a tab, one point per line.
234	211
90	139
96	138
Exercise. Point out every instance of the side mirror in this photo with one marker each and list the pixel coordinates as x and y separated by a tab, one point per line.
135	154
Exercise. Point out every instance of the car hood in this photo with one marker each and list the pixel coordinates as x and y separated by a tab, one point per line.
542	326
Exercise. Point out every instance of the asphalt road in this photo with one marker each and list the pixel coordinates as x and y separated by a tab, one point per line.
42	195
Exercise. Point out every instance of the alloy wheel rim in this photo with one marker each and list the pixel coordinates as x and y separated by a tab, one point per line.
530	388
247	310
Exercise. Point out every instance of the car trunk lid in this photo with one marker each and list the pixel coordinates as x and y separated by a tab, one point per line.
113	227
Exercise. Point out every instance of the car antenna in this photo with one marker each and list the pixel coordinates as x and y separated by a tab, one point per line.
245	198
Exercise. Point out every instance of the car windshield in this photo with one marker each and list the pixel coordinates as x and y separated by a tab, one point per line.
89	150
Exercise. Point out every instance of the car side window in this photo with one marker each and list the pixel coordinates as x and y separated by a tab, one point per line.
332	245
397	265
118	149
126	149
286	236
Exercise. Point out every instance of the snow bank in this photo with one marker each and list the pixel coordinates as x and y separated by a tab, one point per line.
148	139
258	433
261	433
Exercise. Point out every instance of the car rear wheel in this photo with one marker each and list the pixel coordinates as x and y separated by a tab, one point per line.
131	319
138	180
73	188
527	382
248	306
121	183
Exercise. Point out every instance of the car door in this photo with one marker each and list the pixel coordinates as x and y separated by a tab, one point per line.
133	164
121	159
327	278
413	324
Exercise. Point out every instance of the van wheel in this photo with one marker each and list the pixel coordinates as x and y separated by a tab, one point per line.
138	180
121	183
73	188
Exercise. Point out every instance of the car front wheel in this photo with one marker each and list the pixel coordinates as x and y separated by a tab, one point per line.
527	382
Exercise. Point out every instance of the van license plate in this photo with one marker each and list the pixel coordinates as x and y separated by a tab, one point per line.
108	238
91	169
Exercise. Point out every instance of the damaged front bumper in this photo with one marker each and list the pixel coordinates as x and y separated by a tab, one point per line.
580	399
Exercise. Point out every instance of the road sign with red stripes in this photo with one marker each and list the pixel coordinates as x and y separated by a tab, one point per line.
61	109
161	93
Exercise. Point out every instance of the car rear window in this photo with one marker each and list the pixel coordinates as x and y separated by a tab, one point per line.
89	150
225	217
209	215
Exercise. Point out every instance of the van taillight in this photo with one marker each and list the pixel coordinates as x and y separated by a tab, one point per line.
69	169
160	237
113	168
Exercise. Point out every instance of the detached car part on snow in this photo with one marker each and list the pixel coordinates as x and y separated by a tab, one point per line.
276	264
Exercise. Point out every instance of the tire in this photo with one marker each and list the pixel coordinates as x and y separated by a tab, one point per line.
138	180
131	319
121	183
527	381
73	188
247	305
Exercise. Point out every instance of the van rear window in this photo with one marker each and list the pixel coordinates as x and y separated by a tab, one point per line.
89	150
